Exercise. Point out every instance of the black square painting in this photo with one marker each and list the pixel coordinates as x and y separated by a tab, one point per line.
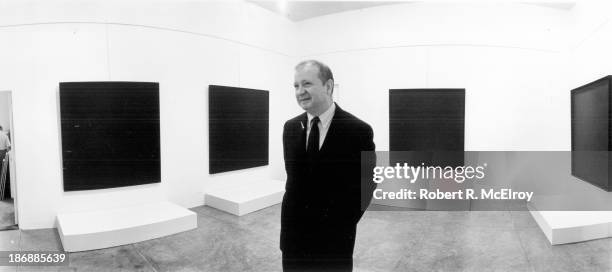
426	119
430	121
110	134
591	137
238	128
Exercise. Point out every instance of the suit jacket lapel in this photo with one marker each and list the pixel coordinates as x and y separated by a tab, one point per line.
303	126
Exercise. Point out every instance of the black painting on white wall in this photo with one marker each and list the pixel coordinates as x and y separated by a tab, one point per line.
591	136
238	128
428	120
110	134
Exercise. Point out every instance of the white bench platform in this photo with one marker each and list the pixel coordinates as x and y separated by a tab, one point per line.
91	230
241	197
562	227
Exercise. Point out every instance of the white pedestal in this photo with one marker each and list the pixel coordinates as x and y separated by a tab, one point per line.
561	227
82	231
241	197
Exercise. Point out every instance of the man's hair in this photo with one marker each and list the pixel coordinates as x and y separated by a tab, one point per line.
0	127
325	73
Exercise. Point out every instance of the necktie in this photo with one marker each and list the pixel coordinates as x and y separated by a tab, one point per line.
313	137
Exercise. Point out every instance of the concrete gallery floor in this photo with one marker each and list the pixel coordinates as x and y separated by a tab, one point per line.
387	241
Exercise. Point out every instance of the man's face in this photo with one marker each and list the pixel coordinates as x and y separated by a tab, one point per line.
312	95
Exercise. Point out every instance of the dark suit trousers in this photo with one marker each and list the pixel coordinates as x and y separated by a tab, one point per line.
294	262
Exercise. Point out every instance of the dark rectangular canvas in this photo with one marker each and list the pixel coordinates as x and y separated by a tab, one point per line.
110	134
428	120
591	137
238	128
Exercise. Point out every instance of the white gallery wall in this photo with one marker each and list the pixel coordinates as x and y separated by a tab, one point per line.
592	40
517	63
510	58
184	45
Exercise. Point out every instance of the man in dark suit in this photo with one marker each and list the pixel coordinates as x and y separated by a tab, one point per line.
323	200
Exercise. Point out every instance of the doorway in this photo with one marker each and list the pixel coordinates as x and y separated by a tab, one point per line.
8	188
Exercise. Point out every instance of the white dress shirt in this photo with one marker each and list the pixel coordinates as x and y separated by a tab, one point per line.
324	123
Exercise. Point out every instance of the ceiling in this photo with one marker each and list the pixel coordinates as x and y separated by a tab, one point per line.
562	5
302	10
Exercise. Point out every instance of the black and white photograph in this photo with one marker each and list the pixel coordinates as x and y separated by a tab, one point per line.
305	135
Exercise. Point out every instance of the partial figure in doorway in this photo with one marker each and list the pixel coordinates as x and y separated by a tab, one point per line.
5	144
5	147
